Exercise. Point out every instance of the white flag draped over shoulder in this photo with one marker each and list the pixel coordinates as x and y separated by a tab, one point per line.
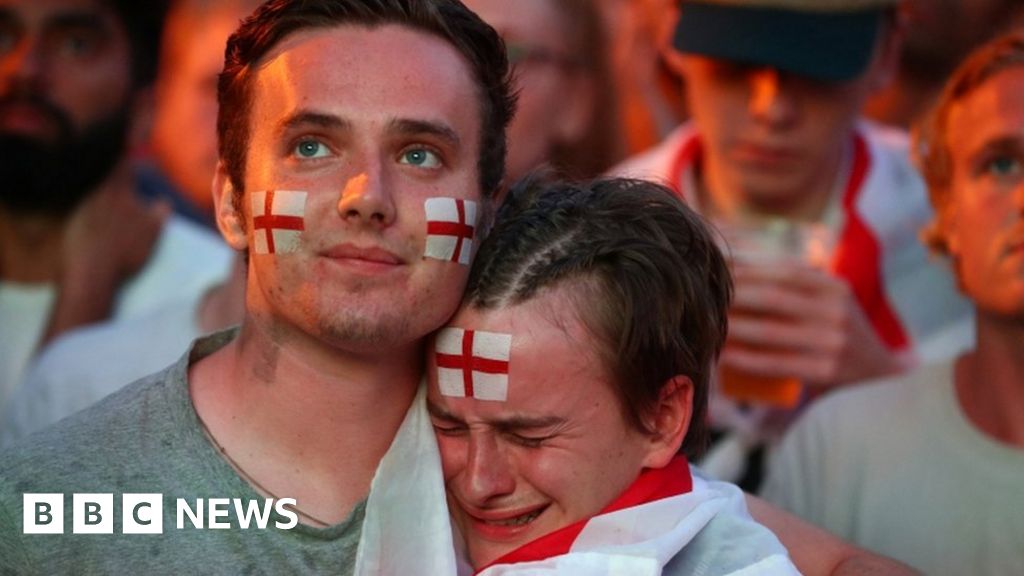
641	539
406	528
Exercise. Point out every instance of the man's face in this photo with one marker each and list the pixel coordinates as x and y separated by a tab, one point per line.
65	81
551	90
770	138
985	137
369	123
556	451
186	93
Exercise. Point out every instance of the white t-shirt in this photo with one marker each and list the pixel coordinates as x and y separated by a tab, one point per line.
897	468
186	261
23	315
83	366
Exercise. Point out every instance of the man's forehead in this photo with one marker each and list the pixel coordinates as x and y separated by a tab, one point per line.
496	415
393	67
992	113
40	12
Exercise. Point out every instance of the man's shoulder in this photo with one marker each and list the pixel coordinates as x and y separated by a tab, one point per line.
892	173
731	542
902	394
872	425
85	365
89	448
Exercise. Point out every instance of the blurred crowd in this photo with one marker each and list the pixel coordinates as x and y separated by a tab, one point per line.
861	163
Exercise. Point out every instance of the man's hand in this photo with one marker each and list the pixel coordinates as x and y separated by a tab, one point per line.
107	240
795	320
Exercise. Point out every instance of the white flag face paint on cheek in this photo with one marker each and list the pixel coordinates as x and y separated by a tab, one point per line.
451	226
278	219
472	364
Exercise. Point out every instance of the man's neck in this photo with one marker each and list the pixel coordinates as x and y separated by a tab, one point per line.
990	379
30	247
304	420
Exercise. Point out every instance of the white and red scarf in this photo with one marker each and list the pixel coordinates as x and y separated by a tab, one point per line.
638	533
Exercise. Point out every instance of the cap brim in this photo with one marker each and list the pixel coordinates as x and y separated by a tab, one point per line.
831	47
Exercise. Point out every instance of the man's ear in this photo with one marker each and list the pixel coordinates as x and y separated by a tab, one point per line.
670	421
229	221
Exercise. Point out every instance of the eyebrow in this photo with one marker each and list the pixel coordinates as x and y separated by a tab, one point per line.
92	20
1001	144
515	422
407	127
307	118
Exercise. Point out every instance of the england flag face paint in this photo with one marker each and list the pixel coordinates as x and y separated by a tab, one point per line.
451	226
278	220
473	364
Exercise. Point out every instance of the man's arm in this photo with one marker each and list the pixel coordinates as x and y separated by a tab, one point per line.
817	552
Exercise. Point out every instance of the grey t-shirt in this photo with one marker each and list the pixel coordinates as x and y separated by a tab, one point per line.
146	439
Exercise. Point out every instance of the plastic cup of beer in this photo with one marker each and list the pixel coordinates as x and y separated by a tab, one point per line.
771	242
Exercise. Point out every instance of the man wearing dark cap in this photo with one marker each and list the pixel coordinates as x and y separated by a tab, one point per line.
776	148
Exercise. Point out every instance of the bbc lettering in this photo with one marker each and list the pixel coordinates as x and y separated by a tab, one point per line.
143	513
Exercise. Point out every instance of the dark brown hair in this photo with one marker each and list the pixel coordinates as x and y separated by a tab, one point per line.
651	283
477	42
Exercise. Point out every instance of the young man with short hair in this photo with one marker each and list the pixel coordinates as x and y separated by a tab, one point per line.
359	143
775	89
926	467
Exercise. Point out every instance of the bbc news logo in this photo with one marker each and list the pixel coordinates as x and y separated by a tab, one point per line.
143	513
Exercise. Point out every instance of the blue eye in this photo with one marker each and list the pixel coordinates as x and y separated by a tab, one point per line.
1003	166
311	149
420	157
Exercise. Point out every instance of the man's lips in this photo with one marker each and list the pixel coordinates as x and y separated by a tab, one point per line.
26	118
369	258
501	524
764	154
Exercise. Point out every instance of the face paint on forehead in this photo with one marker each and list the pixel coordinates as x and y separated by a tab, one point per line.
278	219
472	364
451	225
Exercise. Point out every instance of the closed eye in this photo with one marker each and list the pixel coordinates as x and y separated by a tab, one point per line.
448	429
528	441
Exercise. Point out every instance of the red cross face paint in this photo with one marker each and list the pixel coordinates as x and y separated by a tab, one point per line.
277	221
472	364
451	225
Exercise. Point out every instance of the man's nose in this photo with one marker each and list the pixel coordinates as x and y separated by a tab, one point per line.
23	64
488	472
366	198
769	100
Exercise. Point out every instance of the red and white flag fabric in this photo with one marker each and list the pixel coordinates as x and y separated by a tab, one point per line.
472	364
278	219
451	226
649	525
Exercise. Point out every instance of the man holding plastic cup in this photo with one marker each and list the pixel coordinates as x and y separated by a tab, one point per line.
775	89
